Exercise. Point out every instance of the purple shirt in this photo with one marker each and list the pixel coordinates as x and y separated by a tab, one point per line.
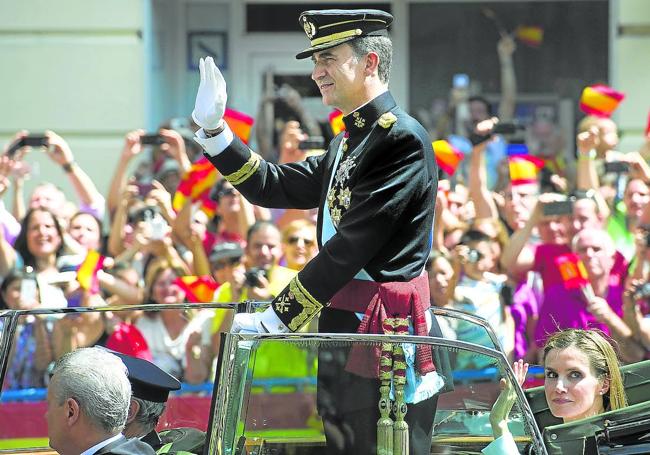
566	308
525	304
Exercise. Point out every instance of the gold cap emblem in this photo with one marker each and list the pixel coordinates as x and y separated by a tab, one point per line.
387	119
309	27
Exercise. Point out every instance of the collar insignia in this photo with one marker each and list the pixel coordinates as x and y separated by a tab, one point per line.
359	121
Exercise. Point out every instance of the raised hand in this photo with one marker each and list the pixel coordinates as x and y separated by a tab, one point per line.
506	400
211	97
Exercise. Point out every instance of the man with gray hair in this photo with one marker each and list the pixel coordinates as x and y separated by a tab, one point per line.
87	405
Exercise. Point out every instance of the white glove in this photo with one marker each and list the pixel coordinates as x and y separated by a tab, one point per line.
211	97
264	322
247	323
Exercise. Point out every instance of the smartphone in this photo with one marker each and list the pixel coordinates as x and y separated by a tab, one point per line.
507	128
558	208
315	142
27	141
158	227
143	189
28	290
616	167
36	140
460	80
152	139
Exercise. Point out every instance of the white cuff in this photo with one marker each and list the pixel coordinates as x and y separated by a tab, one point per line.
217	144
271	322
503	445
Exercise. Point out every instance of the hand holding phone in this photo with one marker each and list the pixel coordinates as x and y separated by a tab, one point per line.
32	140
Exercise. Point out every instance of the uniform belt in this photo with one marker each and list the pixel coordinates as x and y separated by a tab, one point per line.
377	302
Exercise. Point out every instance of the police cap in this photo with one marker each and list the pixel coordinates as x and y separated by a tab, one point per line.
148	382
331	27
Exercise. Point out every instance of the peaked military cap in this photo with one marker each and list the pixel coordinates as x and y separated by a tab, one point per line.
330	27
148	382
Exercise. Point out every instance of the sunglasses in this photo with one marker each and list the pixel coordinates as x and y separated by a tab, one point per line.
223	263
226	192
293	240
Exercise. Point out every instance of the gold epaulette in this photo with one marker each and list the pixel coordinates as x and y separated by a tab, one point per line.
244	172
387	119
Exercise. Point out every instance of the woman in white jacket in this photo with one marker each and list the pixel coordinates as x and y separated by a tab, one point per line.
582	378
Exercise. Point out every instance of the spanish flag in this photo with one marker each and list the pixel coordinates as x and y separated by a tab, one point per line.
524	168
87	271
336	122
600	100
532	35
447	156
573	271
240	124
198	289
196	183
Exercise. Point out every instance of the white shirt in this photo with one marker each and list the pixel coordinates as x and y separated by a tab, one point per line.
104	443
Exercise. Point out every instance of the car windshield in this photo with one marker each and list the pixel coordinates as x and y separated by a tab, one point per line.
268	398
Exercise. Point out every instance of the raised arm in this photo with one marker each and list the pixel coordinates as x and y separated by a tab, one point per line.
118	184
505	48
59	151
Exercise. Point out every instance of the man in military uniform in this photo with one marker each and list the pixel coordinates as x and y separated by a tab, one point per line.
150	387
375	189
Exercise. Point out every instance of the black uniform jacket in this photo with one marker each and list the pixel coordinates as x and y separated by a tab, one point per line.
382	202
125	446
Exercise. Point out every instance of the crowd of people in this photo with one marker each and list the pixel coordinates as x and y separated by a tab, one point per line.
495	255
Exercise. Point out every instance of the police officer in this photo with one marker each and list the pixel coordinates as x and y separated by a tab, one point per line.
375	189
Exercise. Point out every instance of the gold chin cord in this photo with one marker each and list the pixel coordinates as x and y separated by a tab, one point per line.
392	436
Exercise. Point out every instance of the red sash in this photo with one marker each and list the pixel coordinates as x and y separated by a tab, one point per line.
379	301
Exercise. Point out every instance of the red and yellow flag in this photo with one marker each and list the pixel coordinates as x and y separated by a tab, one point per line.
196	183
87	271
532	35
600	100
336	122
572	270
524	168
240	124
447	156
198	289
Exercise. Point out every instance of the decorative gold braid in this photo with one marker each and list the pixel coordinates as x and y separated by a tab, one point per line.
244	172
350	22
310	306
400	427
385	423
335	36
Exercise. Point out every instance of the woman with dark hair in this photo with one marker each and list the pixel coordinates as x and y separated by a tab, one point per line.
39	245
40	241
86	229
31	351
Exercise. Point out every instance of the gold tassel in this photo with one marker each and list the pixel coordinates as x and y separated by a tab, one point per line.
385	423
401	427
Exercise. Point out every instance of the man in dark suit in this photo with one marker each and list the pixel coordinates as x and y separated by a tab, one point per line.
375	189
87	404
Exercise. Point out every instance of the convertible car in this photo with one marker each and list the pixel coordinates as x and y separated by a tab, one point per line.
262	399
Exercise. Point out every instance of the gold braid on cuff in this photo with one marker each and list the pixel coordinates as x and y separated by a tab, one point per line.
244	172
310	306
